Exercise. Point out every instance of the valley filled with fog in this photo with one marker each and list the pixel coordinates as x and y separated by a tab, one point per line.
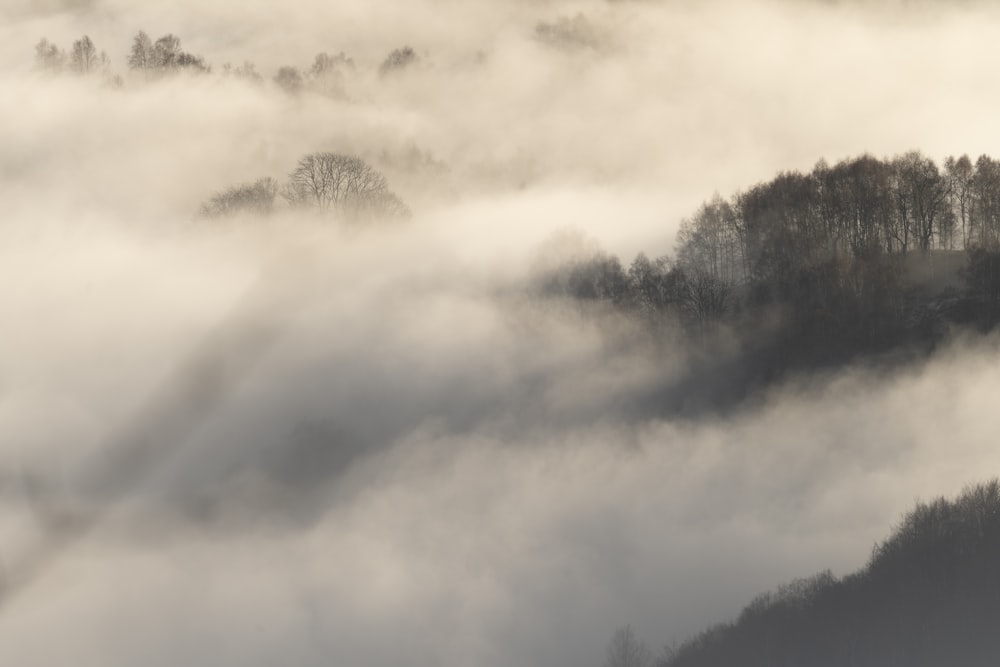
297	439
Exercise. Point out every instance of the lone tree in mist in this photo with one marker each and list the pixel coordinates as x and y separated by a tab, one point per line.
625	650
84	58
141	56
344	184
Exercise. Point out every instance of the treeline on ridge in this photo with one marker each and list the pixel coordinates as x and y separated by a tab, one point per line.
859	257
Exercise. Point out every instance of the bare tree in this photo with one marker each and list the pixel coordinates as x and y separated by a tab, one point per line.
625	650
84	58
711	241
985	223
48	57
704	298
141	56
165	51
649	284
341	183
960	174
922	196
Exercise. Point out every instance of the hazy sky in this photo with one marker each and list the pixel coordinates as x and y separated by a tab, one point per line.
399	457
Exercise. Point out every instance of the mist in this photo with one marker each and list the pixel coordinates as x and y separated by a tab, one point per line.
259	441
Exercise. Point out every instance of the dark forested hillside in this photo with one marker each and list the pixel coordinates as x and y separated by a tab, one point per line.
864	257
930	595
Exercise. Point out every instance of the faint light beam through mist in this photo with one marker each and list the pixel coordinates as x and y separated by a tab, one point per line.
184	402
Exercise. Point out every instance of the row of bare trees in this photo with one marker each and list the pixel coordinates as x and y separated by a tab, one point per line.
832	247
857	209
336	184
154	59
151	59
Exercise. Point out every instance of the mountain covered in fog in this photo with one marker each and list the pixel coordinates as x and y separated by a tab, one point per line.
929	596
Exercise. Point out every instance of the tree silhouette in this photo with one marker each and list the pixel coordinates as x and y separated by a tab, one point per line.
397	60
48	57
141	56
337	184
84	58
342	184
162	57
625	650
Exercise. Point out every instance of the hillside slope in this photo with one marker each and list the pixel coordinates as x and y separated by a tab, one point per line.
930	595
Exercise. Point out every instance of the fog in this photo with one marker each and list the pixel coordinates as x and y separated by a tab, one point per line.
253	442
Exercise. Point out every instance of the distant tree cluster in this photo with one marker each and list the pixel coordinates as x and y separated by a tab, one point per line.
83	59
245	72
569	34
336	184
647	286
150	58
164	56
397	60
328	75
929	596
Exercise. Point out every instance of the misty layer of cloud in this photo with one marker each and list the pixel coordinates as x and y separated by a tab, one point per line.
414	461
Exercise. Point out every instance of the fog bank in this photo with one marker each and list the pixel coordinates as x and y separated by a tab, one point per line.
376	446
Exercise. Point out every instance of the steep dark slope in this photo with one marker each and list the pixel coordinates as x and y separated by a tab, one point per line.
930	595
